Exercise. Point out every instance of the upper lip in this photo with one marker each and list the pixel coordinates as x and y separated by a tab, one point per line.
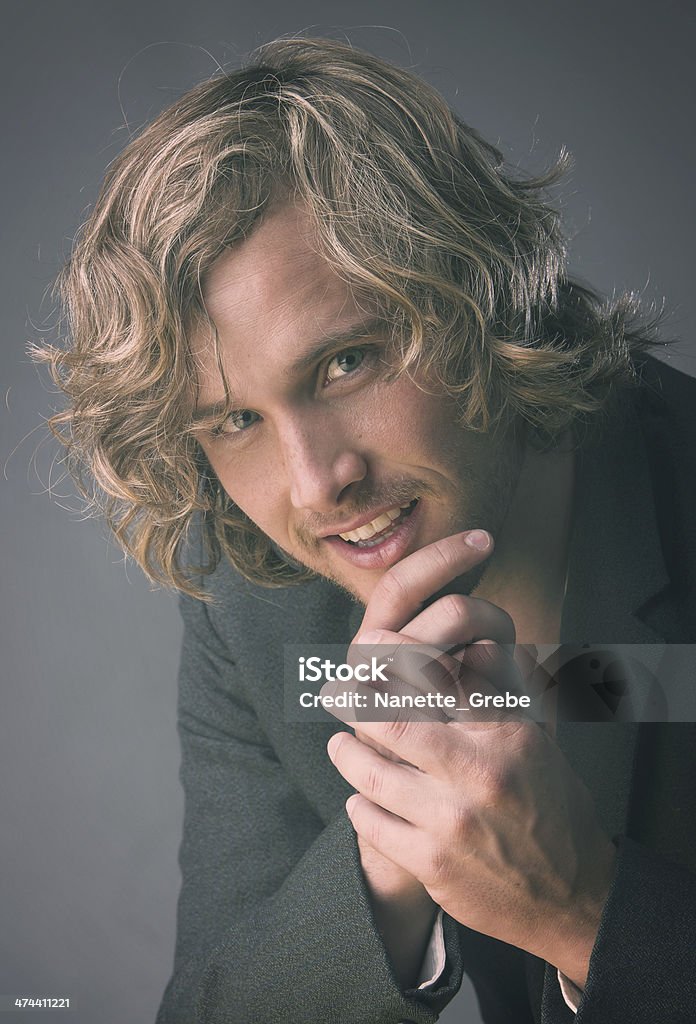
362	521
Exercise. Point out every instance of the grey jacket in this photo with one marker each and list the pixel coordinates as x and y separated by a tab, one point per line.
274	923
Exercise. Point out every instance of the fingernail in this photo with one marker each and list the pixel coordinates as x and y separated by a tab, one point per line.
350	803
371	637
478	539
332	745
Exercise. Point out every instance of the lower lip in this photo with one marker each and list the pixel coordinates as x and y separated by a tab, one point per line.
381	556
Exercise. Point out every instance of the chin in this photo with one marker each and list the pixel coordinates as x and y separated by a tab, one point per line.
359	591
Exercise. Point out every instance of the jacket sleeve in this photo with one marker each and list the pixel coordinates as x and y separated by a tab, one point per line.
643	965
274	921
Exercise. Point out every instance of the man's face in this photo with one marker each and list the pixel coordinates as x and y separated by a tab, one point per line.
320	443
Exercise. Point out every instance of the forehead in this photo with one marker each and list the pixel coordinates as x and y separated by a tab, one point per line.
269	298
275	276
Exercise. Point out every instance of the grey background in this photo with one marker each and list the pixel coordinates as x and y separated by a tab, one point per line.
89	798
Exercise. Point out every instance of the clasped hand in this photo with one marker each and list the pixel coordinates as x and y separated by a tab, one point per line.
487	815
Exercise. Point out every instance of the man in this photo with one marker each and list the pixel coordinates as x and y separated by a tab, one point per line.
320	335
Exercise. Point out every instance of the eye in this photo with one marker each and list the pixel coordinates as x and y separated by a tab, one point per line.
237	421
343	363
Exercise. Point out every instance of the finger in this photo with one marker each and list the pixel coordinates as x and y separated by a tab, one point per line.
519	673
482	667
425	744
357	703
378	747
527	659
489	673
398	788
402	591
398	840
493	672
493	664
412	666
458	619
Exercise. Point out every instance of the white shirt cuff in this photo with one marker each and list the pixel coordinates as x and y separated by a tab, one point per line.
434	959
434	964
570	992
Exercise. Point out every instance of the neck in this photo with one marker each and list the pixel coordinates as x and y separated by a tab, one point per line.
528	569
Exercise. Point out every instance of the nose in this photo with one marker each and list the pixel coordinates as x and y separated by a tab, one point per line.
321	462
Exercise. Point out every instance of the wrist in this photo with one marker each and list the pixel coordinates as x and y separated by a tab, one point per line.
403	911
387	881
574	933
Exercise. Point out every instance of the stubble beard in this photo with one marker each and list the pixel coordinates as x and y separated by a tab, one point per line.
485	507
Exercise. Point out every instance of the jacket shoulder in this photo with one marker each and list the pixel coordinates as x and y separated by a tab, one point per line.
248	615
666	407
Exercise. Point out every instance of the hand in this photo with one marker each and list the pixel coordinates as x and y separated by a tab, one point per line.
399	596
403	909
489	817
398	601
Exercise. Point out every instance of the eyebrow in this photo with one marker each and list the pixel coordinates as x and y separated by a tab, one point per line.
335	340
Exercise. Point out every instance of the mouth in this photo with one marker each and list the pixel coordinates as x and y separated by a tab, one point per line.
373	533
381	542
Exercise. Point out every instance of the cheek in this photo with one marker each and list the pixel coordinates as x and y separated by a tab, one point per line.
249	484
412	422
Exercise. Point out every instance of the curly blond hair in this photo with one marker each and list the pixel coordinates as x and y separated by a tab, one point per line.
463	257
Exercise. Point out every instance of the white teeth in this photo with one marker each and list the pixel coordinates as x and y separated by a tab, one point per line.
370	529
381	522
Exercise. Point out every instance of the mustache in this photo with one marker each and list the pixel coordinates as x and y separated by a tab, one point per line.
385	496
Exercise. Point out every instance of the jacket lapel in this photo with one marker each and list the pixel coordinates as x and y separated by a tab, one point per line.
616	568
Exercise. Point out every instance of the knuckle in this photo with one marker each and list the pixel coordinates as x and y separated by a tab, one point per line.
481	657
454	608
396	728
496	785
522	736
504	622
445	556
403	652
437	866
461	822
442	742
489	775
374	781
435	671
447	560
508	624
370	828
393	588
